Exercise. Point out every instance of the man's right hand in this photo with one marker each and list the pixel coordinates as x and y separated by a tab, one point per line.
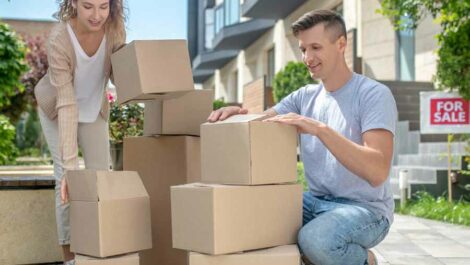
225	112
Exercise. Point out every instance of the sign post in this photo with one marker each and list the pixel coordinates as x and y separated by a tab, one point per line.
448	113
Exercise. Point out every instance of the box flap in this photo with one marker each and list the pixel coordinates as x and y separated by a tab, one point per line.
82	185
120	185
95	185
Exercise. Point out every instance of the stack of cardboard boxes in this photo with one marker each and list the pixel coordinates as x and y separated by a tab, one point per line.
109	217
248	199
158	73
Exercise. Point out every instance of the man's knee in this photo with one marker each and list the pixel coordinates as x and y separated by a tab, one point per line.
320	244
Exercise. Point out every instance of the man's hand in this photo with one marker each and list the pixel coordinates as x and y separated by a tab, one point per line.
302	123
225	112
64	192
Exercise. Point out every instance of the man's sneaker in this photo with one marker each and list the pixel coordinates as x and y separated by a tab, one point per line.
371	258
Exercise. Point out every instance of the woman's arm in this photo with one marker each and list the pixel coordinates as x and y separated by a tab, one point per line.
61	78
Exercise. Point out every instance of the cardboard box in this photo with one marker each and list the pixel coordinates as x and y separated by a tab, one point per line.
146	69
162	162
109	213
244	150
283	255
182	115
221	219
129	259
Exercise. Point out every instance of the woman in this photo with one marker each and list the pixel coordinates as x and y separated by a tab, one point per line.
73	108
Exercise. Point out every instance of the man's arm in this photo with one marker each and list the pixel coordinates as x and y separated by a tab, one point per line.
370	161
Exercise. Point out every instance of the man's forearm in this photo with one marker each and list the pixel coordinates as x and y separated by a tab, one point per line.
366	162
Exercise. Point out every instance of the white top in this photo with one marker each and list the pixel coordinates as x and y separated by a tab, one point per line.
89	79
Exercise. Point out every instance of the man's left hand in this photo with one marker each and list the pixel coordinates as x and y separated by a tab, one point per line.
302	123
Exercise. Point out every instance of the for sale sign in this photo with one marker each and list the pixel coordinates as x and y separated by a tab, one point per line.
443	112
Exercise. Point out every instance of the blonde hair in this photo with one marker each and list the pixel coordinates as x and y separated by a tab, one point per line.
115	22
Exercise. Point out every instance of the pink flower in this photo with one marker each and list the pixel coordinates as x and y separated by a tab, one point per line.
111	97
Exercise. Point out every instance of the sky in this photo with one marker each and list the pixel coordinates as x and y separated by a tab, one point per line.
147	19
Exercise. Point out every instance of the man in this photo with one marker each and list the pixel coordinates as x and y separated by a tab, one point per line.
347	125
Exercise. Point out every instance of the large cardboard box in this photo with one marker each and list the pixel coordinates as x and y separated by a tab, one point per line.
146	69
109	213
182	115
221	219
283	255
129	259
162	162
244	150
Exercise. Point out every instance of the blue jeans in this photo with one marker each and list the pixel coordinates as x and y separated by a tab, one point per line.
336	232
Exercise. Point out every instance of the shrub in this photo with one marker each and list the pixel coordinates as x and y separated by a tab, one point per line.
294	76
12	64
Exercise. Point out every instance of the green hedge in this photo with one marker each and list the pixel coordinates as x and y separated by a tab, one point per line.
426	206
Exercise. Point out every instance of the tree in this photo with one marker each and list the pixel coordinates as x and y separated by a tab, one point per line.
24	100
453	65
12	64
294	76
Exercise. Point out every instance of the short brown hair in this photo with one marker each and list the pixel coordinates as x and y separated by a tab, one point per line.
331	20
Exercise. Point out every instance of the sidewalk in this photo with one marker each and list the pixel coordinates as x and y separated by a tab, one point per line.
417	241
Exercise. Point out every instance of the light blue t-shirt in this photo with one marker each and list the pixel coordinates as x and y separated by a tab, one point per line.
362	104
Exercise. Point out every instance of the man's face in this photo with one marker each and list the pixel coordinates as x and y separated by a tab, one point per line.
322	51
92	14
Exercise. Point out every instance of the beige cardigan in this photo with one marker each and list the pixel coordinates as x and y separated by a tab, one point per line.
55	93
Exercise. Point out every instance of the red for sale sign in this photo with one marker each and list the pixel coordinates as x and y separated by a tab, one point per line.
443	112
450	111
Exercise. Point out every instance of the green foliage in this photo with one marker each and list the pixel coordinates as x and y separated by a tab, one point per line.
125	121
8	151
12	64
426	206
301	175
23	100
294	76
218	103
453	69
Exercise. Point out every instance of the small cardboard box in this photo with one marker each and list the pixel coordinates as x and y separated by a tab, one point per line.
178	116
162	162
244	150
129	259
109	213
222	219
283	255
146	69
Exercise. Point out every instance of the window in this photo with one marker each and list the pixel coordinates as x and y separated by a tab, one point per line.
271	70
232	12
406	55
209	29
219	18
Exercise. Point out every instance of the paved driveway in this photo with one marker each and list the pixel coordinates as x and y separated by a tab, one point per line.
417	241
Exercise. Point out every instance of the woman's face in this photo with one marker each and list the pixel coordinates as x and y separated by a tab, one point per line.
92	14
